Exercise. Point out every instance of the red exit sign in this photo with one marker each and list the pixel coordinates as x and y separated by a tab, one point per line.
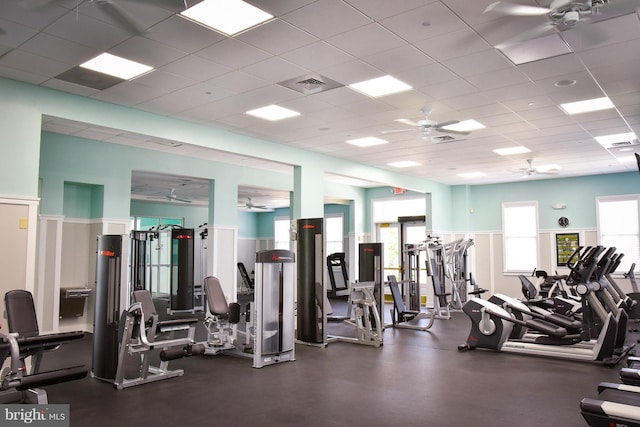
397	190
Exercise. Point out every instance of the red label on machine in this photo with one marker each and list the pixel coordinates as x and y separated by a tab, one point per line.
183	236
369	250
107	253
308	226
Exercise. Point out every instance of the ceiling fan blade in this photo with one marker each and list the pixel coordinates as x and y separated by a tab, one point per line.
167	4
390	131
444	124
121	16
35	4
504	8
557	4
407	122
533	33
457	132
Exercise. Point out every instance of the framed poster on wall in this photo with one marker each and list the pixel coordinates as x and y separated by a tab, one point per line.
566	244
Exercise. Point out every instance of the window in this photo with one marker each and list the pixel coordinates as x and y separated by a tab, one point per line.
520	236
618	226
334	234
281	233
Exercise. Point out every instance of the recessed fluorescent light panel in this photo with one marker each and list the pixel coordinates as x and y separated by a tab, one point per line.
368	141
465	126
381	86
587	105
404	164
511	151
115	66
472	174
273	113
609	141
226	16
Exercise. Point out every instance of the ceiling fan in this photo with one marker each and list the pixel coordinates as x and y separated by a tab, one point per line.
542	170
425	125
561	14
171	196
114	10
250	205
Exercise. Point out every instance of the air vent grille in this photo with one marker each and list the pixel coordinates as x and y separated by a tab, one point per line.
310	84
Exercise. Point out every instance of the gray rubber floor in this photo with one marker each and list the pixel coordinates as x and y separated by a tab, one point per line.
416	378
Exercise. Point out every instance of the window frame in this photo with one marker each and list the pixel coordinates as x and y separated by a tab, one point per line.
276	242
505	253
326	233
627	260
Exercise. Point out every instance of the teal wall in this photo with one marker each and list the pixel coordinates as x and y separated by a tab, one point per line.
247	224
65	159
83	201
577	193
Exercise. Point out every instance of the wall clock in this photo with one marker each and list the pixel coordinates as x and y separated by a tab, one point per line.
563	221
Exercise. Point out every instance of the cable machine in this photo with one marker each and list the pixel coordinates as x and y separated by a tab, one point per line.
170	261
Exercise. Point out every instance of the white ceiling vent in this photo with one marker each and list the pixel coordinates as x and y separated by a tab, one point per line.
309	84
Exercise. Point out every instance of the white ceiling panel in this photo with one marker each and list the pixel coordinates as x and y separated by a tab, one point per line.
453	44
277	37
431	20
357	42
327	18
317	55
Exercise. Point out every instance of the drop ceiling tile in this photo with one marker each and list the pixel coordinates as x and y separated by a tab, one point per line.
556	66
471	11
428	75
324	19
537	49
358	42
529	103
280	7
14	34
274	70
64	86
449	89
147	51
498	79
317	55
483	62
351	72
380	9
525	90
25	61
422	23
604	33
162	80
277	37
237	82
128	93
541	113
453	45
611	55
59	49
399	59
184	35
87	31
195	68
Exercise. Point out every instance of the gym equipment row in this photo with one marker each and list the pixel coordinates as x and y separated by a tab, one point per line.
25	344
505	324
